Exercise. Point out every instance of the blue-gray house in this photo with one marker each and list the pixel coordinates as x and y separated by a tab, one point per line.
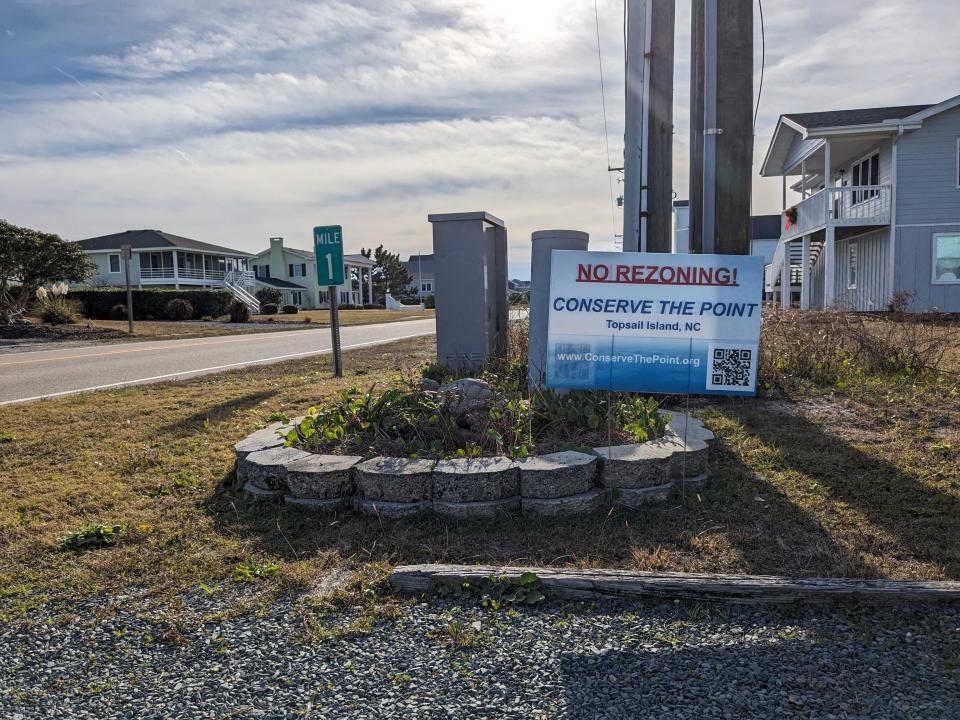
879	215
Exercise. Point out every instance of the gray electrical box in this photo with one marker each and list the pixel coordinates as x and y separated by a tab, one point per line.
470	287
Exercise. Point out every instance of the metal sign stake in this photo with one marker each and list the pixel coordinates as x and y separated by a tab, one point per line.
335	331
328	251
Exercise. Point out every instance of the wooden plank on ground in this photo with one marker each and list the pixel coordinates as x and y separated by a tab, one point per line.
574	584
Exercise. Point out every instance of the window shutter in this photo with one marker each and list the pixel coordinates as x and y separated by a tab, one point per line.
875	170
303	269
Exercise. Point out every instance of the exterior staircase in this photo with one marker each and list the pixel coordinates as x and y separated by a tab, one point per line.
242	284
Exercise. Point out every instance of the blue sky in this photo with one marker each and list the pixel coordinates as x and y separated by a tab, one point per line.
232	121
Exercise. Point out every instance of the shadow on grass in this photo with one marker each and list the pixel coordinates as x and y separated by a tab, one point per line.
923	521
217	412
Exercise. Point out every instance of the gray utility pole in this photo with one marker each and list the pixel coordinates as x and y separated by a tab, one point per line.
721	126
648	142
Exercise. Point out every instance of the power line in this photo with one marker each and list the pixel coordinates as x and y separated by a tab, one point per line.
763	64
606	130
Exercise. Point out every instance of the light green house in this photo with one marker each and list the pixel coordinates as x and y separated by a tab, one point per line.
294	273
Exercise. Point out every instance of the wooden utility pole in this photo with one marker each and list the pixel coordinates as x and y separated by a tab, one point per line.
648	154
721	126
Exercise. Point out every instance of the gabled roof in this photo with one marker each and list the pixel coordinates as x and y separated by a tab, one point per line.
278	283
143	239
846	118
814	128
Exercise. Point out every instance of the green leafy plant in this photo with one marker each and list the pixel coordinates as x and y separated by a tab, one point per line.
95	535
280	416
249	571
269	309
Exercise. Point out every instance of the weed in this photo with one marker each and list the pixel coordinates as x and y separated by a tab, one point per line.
250	571
95	535
401	678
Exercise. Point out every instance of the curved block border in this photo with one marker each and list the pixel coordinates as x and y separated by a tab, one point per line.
554	485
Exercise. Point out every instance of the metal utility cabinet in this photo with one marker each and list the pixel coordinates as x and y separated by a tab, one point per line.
470	277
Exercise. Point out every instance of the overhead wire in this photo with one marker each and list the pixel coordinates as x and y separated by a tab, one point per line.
606	129
763	64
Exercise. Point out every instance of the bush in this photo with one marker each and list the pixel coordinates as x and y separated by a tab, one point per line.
269	296
348	306
239	313
151	303
831	347
268	309
374	306
178	309
57	310
118	312
290	309
430	302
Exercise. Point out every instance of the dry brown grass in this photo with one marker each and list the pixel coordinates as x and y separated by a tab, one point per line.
814	483
347	317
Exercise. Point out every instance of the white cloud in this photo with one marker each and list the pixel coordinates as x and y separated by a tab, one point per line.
232	120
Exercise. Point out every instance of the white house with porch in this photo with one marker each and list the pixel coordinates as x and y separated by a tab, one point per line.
879	210
161	259
294	273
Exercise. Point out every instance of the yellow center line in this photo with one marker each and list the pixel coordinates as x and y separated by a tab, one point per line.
246	338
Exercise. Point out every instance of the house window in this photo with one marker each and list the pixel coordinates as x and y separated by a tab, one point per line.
114	263
297	270
852	266
865	173
946	258
261	271
426	287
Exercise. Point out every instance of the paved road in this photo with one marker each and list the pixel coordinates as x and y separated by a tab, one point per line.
50	373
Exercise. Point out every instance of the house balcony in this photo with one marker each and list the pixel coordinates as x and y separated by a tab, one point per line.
862	206
182	276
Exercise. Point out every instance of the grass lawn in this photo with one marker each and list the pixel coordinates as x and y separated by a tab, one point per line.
349	317
859	481
170	330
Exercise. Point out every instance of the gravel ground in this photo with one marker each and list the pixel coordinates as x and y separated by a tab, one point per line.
611	661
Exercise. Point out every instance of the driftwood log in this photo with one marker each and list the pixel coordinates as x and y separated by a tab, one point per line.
573	584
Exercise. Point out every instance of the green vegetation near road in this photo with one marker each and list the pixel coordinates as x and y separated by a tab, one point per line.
846	470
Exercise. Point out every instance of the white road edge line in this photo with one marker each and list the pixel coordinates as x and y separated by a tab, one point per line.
186	373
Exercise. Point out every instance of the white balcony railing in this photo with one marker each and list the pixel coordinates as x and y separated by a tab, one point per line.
864	205
213	277
149	273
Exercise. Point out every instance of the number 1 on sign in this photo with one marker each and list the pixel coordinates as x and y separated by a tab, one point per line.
330	266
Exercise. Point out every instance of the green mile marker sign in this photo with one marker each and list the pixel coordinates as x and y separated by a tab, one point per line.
328	246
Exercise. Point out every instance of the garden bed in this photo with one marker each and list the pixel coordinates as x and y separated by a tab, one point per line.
570	482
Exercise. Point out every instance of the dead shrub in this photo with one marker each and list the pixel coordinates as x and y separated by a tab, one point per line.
823	346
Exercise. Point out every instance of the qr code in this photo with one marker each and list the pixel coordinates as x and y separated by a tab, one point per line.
731	368
571	363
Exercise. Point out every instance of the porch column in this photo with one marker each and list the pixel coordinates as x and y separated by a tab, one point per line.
827	204
803	179
176	271
805	273
370	285
785	294
829	268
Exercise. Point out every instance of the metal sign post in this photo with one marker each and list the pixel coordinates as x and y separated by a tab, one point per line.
126	252
328	248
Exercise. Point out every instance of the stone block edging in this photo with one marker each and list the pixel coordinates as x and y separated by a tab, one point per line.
552	485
